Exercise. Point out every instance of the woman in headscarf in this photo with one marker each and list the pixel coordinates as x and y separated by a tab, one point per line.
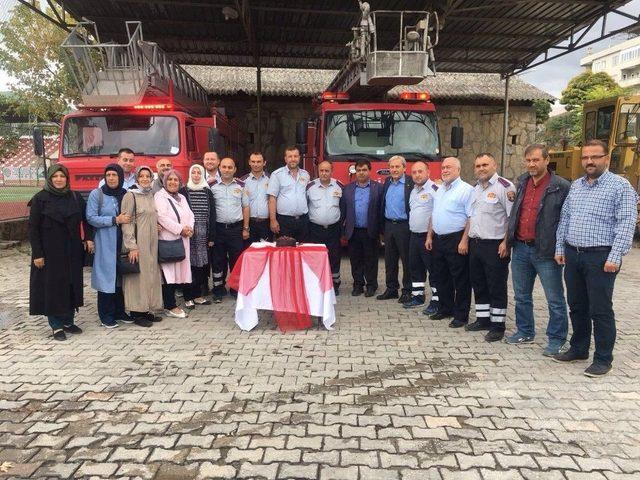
176	219
56	229
103	213
142	291
201	202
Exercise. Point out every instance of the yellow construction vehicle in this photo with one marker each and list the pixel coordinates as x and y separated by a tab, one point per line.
613	120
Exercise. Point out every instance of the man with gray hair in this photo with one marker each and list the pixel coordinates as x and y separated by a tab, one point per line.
395	211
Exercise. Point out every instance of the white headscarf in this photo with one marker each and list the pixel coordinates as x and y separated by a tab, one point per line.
203	182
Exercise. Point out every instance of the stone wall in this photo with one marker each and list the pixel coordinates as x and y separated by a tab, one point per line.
483	133
482	129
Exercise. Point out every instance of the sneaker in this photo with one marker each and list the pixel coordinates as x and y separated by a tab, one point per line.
59	335
220	292
143	322
433	307
569	356
416	301
388	295
494	335
152	317
179	314
357	291
456	323
477	326
405	298
109	323
217	299
440	315
370	292
518	338
179	293
551	350
72	328
202	301
596	370
126	318
189	304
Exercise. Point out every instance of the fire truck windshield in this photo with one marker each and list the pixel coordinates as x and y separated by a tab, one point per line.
381	134
106	134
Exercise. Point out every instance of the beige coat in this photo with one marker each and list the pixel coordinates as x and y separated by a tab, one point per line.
143	291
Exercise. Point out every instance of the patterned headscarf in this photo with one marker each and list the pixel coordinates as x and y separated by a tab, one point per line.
175	195
140	189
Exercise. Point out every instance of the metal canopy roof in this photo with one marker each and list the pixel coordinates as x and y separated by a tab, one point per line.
496	36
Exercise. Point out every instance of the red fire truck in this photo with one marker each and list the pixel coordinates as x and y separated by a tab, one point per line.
133	96
352	119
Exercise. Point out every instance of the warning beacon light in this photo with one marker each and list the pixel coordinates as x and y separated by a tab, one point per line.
415	96
334	96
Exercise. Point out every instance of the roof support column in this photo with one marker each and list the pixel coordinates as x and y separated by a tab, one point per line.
505	125
258	142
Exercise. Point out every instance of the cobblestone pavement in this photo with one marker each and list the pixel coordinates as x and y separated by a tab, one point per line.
388	395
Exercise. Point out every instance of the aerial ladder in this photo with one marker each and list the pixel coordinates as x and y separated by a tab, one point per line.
129	75
379	60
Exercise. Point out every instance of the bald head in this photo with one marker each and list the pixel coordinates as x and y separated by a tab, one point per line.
163	165
419	173
450	169
227	169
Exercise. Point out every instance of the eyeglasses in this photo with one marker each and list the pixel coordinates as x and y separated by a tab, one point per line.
592	157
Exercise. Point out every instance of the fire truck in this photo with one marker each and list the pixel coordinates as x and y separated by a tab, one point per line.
133	96
352	119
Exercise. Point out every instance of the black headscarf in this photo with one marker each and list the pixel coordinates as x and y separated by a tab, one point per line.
118	191
48	186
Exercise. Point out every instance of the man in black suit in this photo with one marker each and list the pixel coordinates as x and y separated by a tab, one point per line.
361	203
395	211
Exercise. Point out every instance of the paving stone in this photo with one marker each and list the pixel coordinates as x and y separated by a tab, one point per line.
250	470
97	469
298	471
211	470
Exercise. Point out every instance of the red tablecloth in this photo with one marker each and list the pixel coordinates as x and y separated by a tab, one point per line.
294	282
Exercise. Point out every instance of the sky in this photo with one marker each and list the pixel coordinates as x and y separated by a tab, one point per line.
551	77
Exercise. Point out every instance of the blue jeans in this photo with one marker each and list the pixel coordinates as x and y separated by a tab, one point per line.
56	322
525	265
590	292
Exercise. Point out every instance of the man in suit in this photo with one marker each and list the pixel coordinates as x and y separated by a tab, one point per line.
361	203
395	211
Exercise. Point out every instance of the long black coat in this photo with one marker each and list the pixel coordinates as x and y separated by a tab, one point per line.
54	233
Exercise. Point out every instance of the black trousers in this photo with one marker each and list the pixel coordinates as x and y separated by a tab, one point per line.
169	295
111	305
452	272
225	252
259	230
295	227
396	247
363	254
329	236
198	285
589	294
489	274
420	265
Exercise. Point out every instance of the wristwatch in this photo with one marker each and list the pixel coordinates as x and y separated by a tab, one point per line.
246	229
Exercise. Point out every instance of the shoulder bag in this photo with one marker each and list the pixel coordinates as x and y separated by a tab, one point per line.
171	251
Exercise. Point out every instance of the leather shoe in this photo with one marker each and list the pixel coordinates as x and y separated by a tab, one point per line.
404	298
370	292
494	335
357	291
457	323
440	315
388	294
476	326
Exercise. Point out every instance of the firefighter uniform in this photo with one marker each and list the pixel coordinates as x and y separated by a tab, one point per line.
421	207
229	200
291	201
325	220
491	207
255	189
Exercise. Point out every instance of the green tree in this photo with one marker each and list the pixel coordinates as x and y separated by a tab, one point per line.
543	109
579	87
562	130
30	53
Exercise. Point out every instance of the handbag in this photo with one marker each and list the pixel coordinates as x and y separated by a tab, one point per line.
171	251
123	265
87	258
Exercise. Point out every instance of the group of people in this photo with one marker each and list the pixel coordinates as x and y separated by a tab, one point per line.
452	236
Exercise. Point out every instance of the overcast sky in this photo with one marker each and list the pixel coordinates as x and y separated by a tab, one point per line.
551	77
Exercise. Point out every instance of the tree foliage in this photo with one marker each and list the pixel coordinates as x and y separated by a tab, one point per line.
543	109
30	53
579	87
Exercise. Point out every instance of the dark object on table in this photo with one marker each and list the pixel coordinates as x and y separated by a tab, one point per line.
285	242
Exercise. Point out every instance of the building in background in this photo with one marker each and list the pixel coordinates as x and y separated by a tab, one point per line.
621	62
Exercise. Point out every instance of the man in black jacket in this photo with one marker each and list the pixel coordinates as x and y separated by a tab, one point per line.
395	212
532	234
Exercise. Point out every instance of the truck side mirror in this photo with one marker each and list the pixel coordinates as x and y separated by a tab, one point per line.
38	142
216	143
301	132
457	137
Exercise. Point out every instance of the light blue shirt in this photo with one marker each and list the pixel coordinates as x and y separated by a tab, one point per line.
255	188
229	200
324	202
290	192
452	207
394	207
129	181
362	195
421	206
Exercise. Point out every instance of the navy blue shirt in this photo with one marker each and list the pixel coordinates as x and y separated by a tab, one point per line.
362	195
394	208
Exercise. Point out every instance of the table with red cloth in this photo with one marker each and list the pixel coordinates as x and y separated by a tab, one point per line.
294	282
